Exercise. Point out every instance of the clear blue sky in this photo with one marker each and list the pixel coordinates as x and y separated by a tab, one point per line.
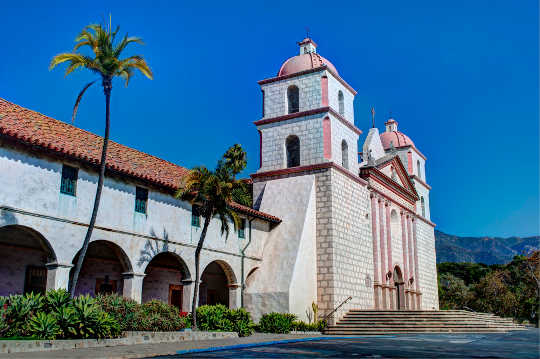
460	77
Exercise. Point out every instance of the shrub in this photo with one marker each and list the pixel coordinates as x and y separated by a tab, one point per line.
56	299
219	317
279	323
158	316
43	326
122	309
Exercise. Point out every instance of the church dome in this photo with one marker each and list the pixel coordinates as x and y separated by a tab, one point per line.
394	137
307	60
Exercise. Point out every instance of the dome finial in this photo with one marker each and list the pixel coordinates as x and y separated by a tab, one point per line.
307	45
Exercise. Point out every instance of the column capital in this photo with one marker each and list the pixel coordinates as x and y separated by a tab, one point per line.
128	275
54	265
386	203
233	286
187	281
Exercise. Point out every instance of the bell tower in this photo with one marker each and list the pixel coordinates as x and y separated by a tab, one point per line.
308	115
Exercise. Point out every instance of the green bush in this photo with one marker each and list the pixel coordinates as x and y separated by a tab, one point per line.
279	323
43	326
157	316
122	309
220	318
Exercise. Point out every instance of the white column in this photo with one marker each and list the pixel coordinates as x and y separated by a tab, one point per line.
234	295
382	253
405	256
374	234
133	285
187	295
58	275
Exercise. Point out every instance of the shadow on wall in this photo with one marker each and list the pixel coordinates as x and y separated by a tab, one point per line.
154	247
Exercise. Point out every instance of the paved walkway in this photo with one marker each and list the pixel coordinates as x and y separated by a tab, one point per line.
150	350
518	344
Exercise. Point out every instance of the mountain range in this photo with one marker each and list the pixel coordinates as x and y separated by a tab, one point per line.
487	250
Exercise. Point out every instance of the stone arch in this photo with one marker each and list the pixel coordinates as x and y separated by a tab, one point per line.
218	284
341	103
344	154
293	99
165	276
400	288
103	269
26	252
292	151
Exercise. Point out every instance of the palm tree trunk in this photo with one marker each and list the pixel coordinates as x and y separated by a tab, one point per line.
107	87
197	275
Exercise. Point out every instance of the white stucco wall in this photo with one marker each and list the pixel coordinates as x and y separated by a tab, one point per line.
334	86
31	197
427	265
286	279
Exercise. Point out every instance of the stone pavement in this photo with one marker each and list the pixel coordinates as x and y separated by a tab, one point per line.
150	350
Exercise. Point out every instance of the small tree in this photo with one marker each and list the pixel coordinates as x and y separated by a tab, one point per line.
212	192
107	64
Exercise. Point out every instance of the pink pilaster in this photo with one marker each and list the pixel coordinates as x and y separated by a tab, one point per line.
409	162
411	262
382	253
418	300
260	147
327	138
389	252
375	251
405	252
324	91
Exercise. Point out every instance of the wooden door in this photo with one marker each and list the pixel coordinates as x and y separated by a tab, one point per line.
175	295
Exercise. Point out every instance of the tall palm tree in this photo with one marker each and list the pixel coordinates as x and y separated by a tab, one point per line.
236	159
106	63
211	192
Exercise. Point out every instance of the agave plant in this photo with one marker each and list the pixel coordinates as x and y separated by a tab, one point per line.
44	326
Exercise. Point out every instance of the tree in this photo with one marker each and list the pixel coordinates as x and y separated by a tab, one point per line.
107	64
212	192
235	159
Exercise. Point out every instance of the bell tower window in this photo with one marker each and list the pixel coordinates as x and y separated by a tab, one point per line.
341	103
344	154
293	99
292	146
423	204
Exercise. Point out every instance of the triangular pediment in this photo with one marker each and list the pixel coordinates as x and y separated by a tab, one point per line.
392	167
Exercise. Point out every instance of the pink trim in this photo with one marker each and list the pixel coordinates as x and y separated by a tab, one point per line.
389	238
410	248
324	91
405	251
324	165
327	138
383	244
415	244
374	235
420	181
419	153
260	148
317	69
390	199
409	162
309	113
425	220
393	189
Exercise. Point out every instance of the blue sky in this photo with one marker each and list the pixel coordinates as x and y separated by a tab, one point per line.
460	77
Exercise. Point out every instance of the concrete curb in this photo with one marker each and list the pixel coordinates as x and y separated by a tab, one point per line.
130	338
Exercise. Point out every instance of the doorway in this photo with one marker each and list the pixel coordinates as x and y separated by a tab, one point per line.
400	289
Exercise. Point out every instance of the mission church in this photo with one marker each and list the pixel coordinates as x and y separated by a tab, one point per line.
329	220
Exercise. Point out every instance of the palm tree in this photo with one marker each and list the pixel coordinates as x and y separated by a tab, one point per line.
236	159
212	192
106	63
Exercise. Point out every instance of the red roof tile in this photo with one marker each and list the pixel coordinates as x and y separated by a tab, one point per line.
33	128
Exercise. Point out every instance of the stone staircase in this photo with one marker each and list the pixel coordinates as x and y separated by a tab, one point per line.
377	322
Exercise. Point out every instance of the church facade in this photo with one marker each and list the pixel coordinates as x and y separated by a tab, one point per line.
326	224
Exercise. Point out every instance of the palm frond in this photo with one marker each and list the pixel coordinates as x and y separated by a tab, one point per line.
78	101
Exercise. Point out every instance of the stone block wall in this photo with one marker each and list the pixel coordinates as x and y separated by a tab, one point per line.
334	86
275	94
427	264
310	133
341	132
344	243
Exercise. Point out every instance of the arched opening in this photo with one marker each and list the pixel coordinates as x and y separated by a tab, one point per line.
341	102
400	288
216	279
293	99
102	269
344	154
165	275
292	147
25	252
250	277
419	170
423	206
395	227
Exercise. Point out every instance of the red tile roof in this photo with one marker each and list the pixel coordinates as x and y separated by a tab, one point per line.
35	129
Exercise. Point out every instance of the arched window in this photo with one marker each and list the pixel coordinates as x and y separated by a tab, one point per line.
418	169
292	145
293	99
423	204
344	154
341	103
